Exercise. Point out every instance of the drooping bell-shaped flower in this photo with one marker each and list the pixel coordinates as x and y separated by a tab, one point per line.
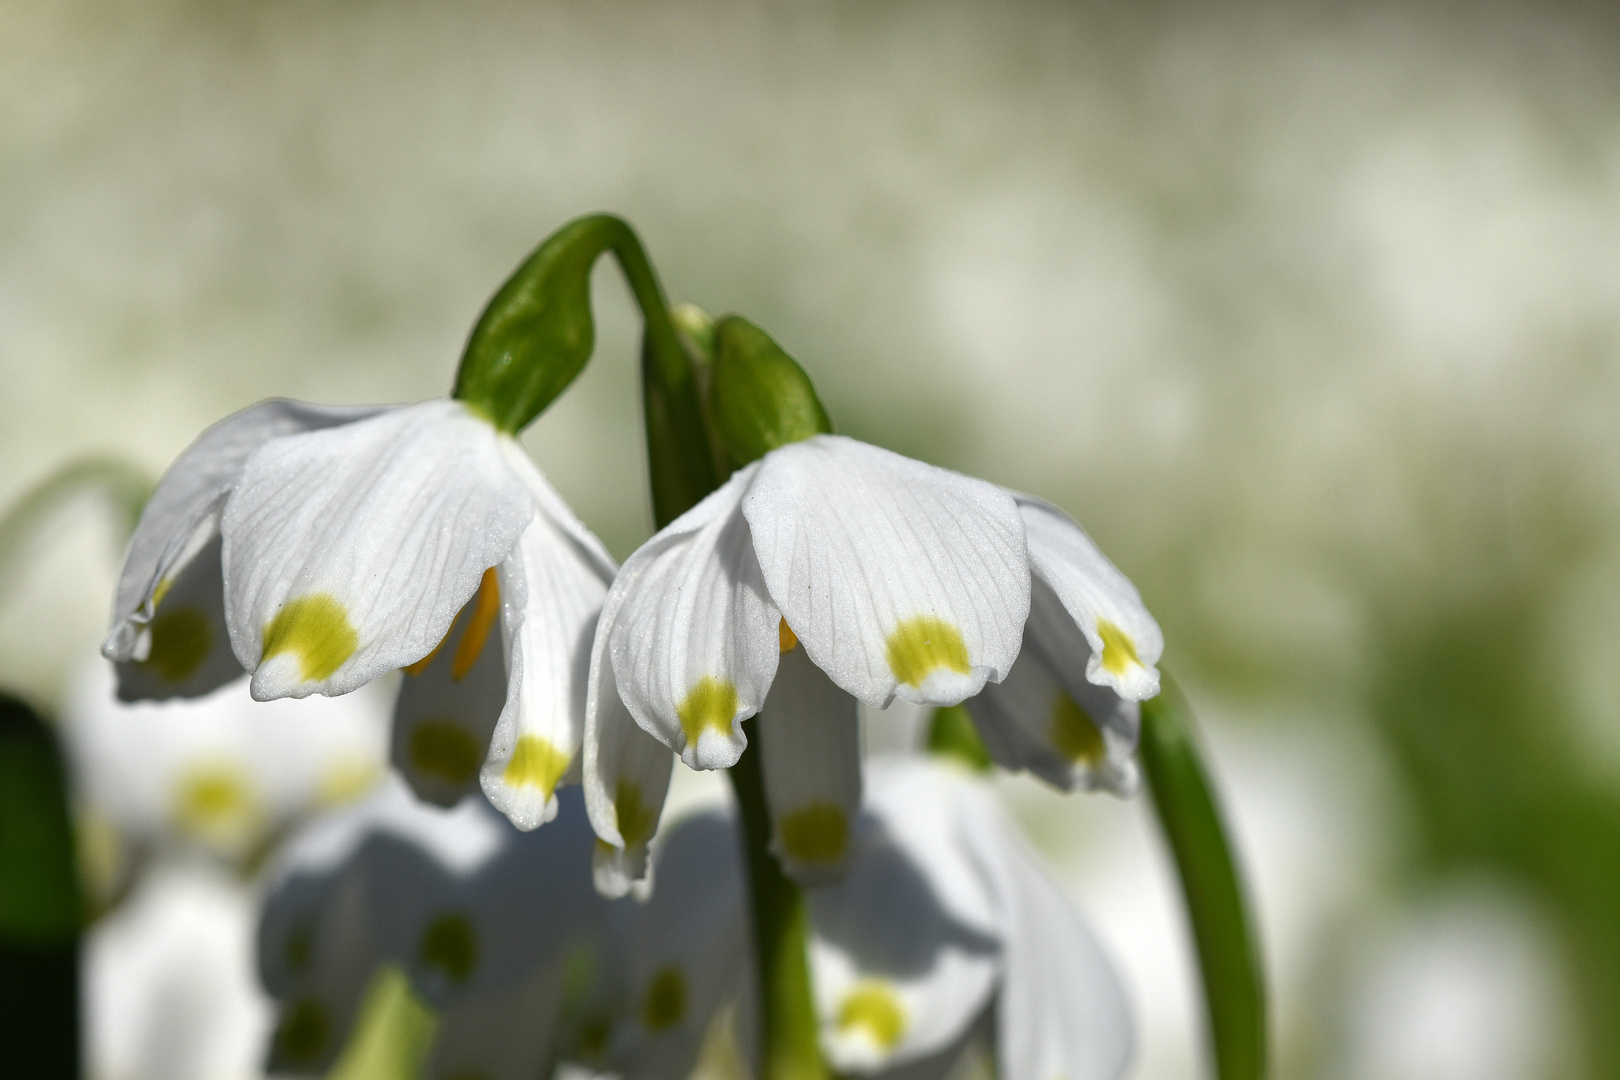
503	936
320	548
888	578
220	771
943	917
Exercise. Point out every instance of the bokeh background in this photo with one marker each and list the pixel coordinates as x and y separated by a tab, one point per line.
1310	313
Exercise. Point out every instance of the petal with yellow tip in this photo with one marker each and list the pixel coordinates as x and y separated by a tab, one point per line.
349	551
898	578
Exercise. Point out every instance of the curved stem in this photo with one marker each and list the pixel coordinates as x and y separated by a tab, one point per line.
123	485
1228	950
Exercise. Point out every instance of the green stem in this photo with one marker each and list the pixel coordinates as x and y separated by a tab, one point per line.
1228	950
680	457
789	1047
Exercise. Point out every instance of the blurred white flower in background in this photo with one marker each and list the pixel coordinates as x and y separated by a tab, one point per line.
222	772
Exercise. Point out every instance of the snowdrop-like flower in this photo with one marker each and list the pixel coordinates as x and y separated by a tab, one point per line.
221	771
502	933
469	907
852	573
942	916
319	548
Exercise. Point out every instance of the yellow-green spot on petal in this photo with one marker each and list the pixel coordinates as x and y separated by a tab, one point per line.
873	1007
1075	734
302	1035
1119	651
922	645
665	1003
316	629
636	820
180	642
216	802
445	750
450	944
161	591
817	833
535	763
712	703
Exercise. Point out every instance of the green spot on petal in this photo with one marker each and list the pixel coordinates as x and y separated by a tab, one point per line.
712	703
181	639
817	833
873	1007
665	1003
1075	733
535	763
922	645
450	944
445	750
317	630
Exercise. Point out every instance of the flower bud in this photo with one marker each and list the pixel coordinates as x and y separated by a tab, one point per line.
760	398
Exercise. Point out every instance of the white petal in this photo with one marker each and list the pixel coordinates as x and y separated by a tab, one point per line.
1062	1013
181	516
693	637
184	648
899	578
448	705
810	752
1047	718
904	950
349	551
553	582
508	1033
684	949
316	956
626	774
1125	641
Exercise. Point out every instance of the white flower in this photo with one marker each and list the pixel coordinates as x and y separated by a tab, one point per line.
503	935
329	546
221	771
943	916
862	575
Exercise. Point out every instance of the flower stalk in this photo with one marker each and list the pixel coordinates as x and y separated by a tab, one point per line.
1223	928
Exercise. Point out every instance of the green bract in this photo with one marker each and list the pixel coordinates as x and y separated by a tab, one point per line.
760	398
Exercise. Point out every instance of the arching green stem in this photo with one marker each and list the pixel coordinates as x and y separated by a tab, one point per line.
1223	928
537	334
124	487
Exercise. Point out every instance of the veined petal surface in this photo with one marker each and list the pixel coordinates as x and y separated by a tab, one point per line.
899	578
693	636
553	583
626	774
810	751
903	951
1125	641
180	518
1048	718
349	551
